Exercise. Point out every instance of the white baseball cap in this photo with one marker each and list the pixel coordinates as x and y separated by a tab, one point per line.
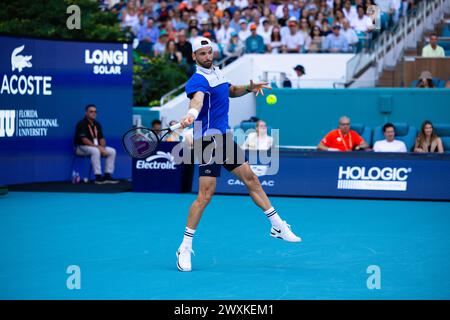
201	42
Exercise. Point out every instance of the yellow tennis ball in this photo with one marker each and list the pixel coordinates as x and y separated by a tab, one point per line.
271	99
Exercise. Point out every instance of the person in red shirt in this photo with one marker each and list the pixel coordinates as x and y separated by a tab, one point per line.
342	138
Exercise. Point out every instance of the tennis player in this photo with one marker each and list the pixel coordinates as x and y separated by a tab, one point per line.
209	93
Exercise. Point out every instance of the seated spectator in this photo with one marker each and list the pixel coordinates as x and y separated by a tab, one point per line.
89	141
224	33
171	53
185	47
362	23
427	140
275	45
432	50
160	46
254	43
349	11
130	17
293	42
258	140
335	42
425	80
243	32
235	48
389	144
265	31
342	138
156	125
317	39
149	33
350	35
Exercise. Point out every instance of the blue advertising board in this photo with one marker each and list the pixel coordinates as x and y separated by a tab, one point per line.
44	88
357	174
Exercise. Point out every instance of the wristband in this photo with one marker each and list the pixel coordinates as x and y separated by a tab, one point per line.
193	112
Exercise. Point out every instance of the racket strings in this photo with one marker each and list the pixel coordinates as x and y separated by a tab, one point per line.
140	143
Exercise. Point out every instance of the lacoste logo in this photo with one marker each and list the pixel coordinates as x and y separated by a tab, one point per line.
18	61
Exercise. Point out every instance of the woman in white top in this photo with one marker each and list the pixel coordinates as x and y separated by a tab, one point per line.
259	140
129	16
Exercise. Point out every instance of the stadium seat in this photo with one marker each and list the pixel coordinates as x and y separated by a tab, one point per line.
403	132
446	31
443	131
364	131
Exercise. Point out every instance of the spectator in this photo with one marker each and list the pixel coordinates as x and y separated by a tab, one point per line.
389	144
258	140
349	34
149	33
349	11
235	48
156	126
293	42
427	140
342	138
275	41
130	17
243	32
224	33
335	42
241	3
254	43
185	47
362	23
265	31
171	53
325	26
283	20
425	80
89	141
193	34
160	46
236	21
205	27
316	40
432	50
280	11
305	32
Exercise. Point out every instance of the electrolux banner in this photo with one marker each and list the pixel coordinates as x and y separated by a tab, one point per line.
396	176
45	86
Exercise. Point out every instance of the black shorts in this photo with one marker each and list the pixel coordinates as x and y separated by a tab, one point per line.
217	151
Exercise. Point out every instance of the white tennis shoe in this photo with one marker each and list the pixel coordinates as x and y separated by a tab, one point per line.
184	258
283	231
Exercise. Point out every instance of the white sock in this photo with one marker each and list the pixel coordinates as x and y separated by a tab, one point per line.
273	216
188	237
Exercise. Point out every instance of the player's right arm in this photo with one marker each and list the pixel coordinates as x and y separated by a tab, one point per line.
195	106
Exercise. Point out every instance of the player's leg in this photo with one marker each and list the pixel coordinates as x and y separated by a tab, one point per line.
280	229
207	187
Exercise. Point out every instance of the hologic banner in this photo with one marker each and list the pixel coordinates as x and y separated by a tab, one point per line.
357	174
44	87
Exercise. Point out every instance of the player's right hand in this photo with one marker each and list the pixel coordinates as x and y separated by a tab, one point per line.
187	120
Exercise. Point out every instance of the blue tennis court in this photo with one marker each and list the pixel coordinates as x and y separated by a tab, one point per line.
125	247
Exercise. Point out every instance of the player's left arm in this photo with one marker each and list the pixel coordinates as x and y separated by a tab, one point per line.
239	91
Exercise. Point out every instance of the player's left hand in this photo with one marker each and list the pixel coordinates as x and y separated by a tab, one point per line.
258	87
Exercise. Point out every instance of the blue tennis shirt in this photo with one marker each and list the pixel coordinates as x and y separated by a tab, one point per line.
216	103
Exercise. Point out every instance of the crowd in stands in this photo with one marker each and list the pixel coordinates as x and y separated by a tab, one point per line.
166	28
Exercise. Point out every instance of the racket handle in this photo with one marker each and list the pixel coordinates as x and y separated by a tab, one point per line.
175	126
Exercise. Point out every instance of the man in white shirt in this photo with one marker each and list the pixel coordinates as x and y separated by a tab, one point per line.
362	23
293	42
389	144
349	11
265	31
432	50
224	33
243	32
279	9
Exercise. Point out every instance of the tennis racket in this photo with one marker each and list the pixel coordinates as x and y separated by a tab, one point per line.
142	142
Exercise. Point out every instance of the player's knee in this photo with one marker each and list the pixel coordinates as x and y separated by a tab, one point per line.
95	153
205	197
251	179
